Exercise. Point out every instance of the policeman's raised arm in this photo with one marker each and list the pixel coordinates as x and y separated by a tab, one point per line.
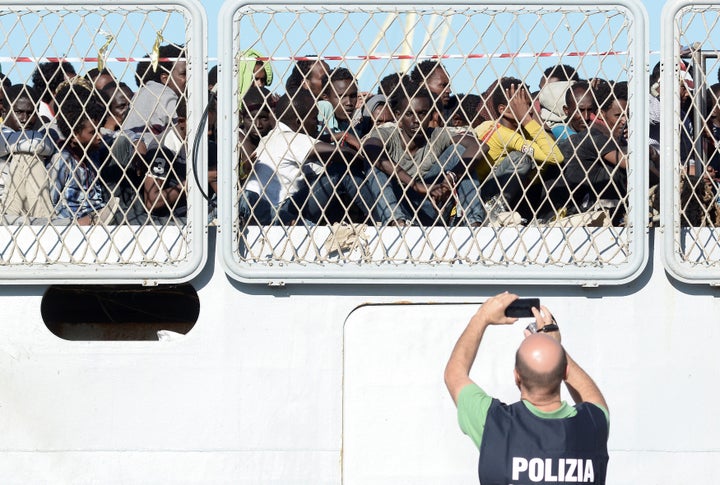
581	386
492	312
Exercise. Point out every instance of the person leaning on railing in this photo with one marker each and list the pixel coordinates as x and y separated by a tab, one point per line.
341	126
311	75
431	171
256	121
294	175
24	187
432	75
77	192
580	110
46	79
160	89
596	164
518	147
165	183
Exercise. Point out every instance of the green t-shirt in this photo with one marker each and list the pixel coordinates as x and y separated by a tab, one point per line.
473	404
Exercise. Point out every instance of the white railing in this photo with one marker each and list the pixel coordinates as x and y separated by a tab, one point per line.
88	217
473	229
476	45
690	210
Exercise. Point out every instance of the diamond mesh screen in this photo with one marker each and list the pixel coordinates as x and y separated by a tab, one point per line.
456	173
98	105
690	101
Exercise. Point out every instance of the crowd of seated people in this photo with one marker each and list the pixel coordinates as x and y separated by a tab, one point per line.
415	154
89	150
699	161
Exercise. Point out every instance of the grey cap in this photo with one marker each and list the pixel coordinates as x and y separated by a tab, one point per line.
372	104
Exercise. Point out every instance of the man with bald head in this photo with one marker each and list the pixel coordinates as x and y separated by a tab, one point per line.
541	438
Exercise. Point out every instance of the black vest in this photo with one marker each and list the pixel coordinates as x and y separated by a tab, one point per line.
519	448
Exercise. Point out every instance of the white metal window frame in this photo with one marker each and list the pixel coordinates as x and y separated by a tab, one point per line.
679	258
193	236
280	272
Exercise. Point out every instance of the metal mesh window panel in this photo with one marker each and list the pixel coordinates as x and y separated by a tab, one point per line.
99	105
689	100
455	174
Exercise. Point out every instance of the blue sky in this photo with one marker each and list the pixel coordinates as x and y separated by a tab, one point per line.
653	7
467	76
49	39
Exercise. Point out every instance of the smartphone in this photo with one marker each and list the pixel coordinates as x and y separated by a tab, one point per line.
521	308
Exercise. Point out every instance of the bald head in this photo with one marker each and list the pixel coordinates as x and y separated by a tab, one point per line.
541	363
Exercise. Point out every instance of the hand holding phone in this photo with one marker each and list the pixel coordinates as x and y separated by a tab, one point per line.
521	308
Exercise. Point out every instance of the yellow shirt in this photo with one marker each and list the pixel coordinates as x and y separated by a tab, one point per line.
502	140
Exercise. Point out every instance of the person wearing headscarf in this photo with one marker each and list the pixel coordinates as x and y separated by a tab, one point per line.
253	70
